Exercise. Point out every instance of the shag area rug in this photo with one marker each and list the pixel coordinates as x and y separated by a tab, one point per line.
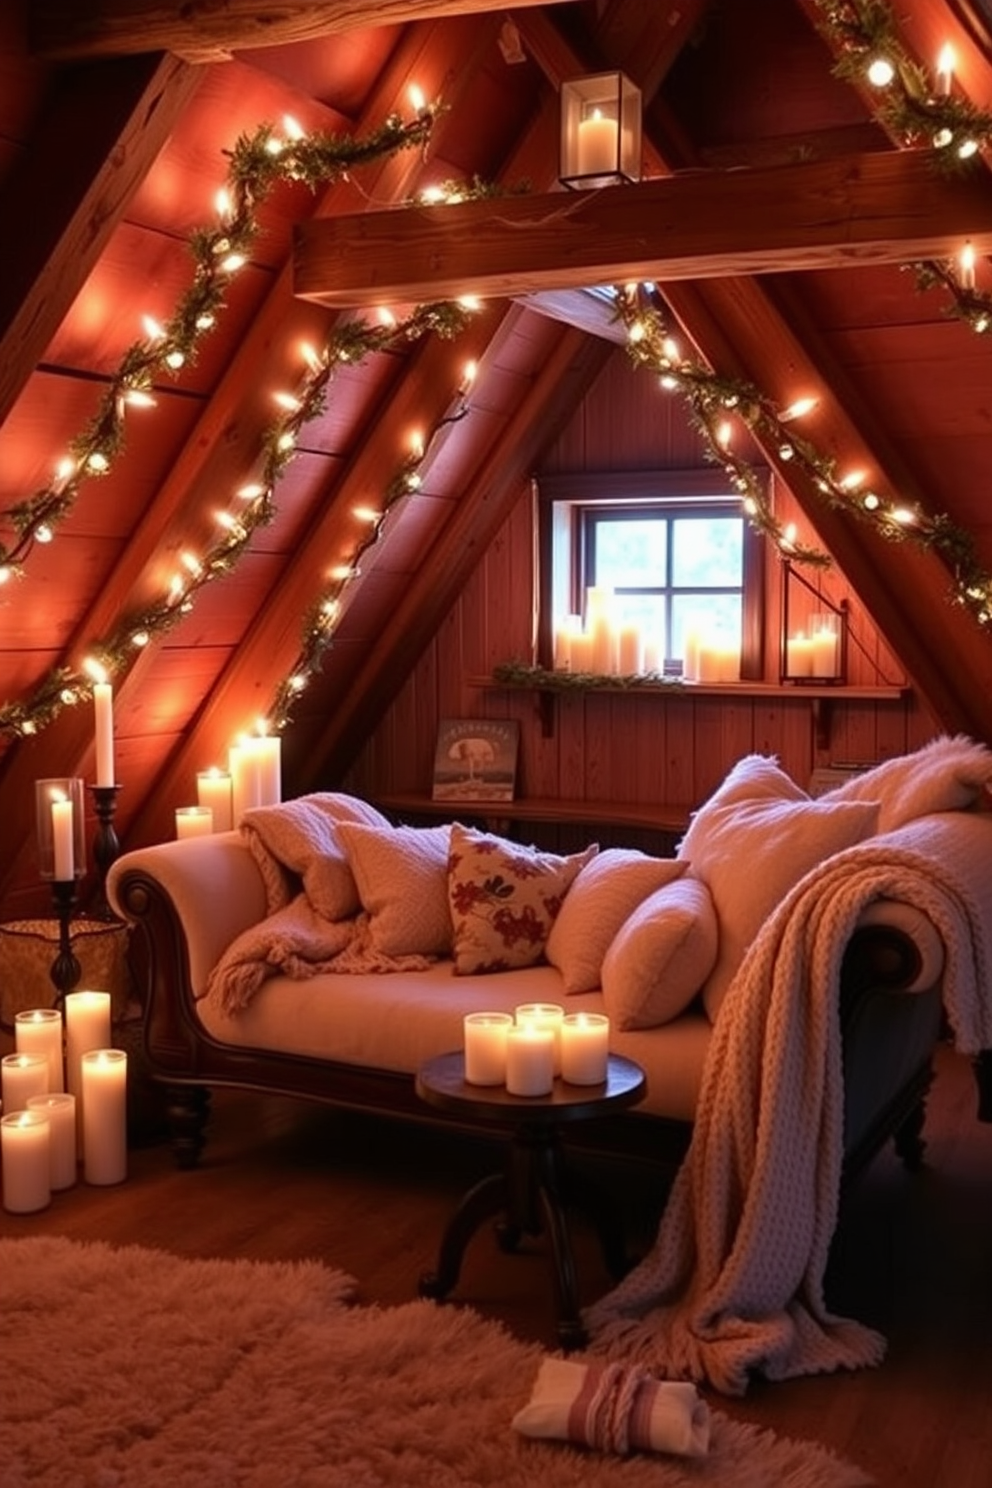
131	1368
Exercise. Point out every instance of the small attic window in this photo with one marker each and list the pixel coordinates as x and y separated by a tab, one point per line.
673	546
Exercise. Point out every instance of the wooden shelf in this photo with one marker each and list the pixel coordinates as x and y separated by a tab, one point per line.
819	695
652	817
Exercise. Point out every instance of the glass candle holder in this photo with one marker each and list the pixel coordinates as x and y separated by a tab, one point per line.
61	828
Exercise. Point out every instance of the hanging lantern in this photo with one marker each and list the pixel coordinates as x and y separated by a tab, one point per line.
814	632
600	142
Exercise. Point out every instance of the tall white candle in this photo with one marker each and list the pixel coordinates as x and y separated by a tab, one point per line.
24	1143
530	1060
62	838
485	1047
543	1015
213	789
245	784
585	1048
39	1031
194	821
22	1075
60	1108
268	757
104	1073
103	703
87	1026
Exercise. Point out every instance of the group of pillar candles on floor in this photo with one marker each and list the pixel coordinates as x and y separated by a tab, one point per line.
62	1099
608	646
528	1049
253	778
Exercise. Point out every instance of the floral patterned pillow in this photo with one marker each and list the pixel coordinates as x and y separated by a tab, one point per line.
504	898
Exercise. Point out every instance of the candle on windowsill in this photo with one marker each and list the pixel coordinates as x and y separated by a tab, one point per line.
213	789
21	1076
60	1108
799	656
39	1031
585	1048
485	1047
194	821
530	1060
24	1156
104	1080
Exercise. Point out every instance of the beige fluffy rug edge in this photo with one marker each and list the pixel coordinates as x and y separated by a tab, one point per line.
133	1368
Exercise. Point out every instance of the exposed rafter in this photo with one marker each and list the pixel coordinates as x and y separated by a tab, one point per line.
871	209
203	31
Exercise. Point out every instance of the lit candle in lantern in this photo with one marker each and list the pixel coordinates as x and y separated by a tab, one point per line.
24	1143
103	703
62	838
213	789
585	1048
104	1078
39	1031
530	1060
485	1047
596	145
60	1108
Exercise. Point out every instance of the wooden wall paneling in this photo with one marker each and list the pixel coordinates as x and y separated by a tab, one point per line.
680	786
649	758
130	108
570	727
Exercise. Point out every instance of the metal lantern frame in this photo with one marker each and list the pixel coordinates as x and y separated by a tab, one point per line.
600	131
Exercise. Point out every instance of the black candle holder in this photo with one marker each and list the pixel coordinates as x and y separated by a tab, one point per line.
106	844
65	970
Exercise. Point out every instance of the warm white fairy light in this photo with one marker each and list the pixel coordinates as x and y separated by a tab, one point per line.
799	409
191	563
417	444
138	398
966	267
469	302
223	204
385	316
294	129
153	330
312	357
870	501
367	513
288	401
967	149
880	72
852	480
175	359
417	99
469	373
250	492
903	516
43	533
97	462
232	263
724	434
286	441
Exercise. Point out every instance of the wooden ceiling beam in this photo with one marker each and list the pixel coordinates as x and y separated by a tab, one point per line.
56	231
566	374
839	213
204	31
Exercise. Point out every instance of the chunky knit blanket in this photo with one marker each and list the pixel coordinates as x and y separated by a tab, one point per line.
733	1285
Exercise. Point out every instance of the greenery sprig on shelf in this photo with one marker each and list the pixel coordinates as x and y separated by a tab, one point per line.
522	674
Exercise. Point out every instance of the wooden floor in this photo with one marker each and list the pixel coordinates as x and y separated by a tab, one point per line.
283	1179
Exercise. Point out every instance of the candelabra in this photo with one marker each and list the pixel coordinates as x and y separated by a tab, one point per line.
106	844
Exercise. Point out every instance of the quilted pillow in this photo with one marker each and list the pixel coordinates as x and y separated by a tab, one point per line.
503	899
300	838
756	837
402	878
661	956
608	889
948	774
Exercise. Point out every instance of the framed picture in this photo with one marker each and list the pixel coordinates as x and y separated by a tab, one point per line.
475	759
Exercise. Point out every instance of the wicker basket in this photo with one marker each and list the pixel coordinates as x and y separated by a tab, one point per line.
28	948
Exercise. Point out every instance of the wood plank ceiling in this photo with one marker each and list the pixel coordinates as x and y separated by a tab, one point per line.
114	120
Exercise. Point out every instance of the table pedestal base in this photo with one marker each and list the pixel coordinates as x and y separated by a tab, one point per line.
530	1198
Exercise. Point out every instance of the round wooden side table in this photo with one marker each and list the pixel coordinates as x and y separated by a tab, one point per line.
530	1195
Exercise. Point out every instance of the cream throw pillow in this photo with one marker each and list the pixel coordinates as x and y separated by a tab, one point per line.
300	838
504	899
948	774
606	891
756	837
402	878
661	956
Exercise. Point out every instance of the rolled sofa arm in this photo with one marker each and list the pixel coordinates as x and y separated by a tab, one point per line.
215	888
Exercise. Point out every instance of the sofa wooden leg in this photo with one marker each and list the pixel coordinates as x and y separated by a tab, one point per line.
188	1111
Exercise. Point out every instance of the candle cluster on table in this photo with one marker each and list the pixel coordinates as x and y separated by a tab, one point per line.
526	1051
253	777
63	1098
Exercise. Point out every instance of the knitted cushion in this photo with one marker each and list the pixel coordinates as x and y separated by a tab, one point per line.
661	956
299	838
402	878
948	774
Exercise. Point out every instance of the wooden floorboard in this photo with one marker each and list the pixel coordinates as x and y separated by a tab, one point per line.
282	1179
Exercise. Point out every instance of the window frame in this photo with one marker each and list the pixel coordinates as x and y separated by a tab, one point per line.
563	499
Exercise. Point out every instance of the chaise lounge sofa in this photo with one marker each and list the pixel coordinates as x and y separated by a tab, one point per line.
322	952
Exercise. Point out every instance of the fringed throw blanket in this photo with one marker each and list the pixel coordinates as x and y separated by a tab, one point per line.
734	1283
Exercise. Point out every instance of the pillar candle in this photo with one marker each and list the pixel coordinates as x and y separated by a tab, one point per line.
580	652
245	784
485	1047
39	1031
585	1048
213	789
24	1142
268	763
543	1015
194	821
799	656
22	1075
631	650
60	1108
103	703
87	1026
596	145
530	1060
104	1077
62	837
